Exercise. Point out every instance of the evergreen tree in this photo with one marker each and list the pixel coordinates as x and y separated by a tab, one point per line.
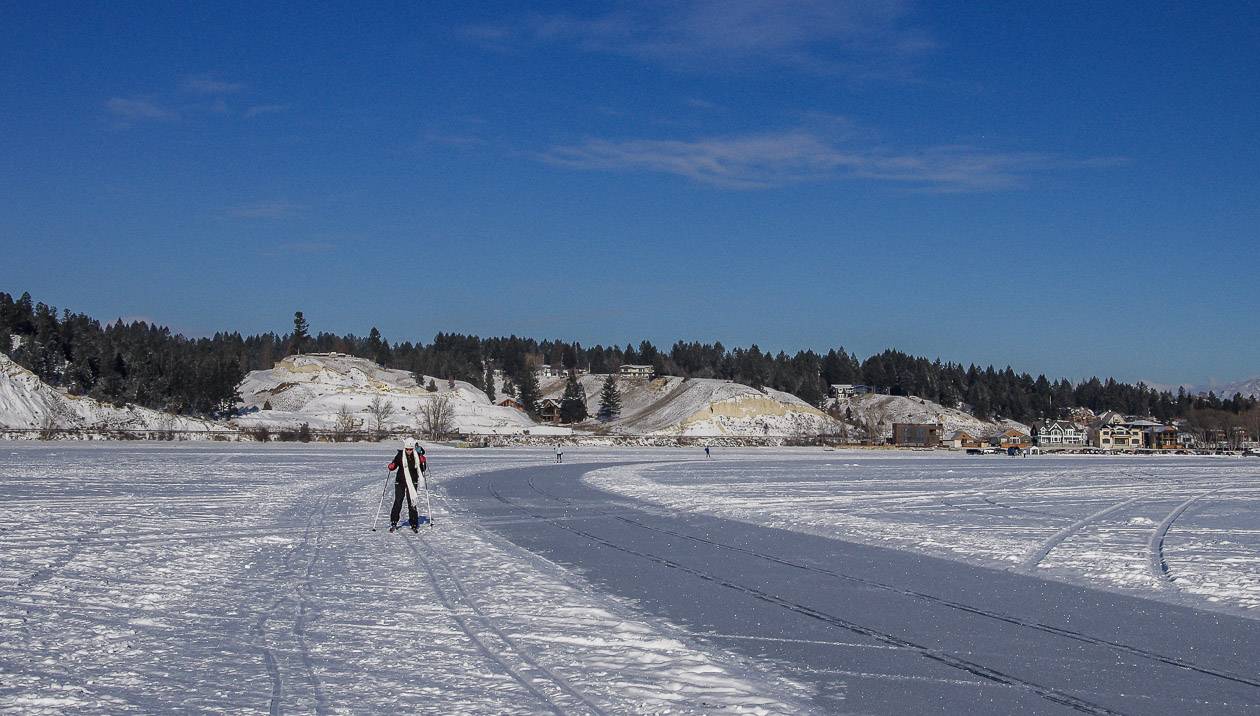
301	334
609	400
490	381
527	393
376	347
573	403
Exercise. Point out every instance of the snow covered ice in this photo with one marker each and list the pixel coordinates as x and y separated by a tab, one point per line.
1176	528
211	578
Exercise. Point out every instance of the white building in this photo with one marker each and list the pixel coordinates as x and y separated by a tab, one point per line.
1059	433
546	370
848	390
629	370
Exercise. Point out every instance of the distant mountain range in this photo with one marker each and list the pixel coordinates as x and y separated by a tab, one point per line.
1248	388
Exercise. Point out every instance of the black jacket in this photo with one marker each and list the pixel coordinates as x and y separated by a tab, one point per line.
415	460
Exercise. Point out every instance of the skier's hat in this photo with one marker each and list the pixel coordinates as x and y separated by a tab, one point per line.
409	444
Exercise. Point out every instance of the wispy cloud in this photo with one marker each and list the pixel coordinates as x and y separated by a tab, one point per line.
275	209
261	109
210	84
759	161
859	38
129	110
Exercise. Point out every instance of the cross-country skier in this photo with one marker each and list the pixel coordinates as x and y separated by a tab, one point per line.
707	456
559	454
410	463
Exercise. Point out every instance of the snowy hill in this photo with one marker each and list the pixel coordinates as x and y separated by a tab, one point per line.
700	407
884	410
313	388
28	402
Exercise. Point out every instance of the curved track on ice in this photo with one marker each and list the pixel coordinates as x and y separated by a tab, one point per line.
875	630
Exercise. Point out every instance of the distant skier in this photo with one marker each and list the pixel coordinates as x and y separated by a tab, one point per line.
707	455
559	454
410	464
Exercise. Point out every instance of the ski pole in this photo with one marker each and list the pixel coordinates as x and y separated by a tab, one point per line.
382	500
428	505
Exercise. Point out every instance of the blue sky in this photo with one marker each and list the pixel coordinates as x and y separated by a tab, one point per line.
1070	188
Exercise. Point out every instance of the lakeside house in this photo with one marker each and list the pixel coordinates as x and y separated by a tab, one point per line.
1163	437
1058	433
1116	437
1011	438
917	434
963	440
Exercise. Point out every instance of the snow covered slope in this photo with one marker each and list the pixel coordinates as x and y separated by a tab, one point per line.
28	402
884	410
701	407
313	388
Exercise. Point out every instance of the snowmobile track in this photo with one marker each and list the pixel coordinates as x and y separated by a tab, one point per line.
970	667
500	657
1155	547
1057	631
300	598
1062	535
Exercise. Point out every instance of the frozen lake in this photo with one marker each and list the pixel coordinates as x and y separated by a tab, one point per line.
1177	528
220	577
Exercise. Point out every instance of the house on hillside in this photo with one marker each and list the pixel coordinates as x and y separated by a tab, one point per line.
1058	433
1116	437
549	410
1110	417
917	434
547	370
629	370
1082	416
847	390
508	401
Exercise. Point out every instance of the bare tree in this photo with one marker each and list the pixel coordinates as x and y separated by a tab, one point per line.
346	424
381	411
874	421
48	427
165	426
436	419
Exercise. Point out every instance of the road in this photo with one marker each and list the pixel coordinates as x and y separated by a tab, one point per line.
873	630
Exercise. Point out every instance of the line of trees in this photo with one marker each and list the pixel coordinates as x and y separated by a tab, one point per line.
148	365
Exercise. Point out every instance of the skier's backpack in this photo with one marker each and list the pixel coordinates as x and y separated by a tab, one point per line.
424	464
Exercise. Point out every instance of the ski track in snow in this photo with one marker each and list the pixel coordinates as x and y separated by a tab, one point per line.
206	578
1174	528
